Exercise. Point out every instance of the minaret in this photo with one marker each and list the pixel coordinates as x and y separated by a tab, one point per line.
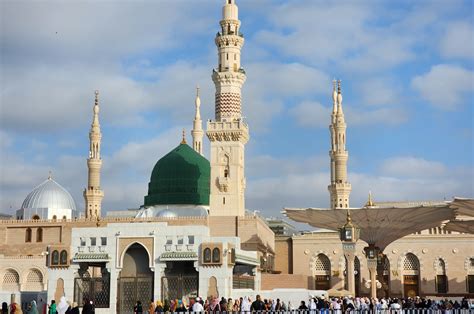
197	132
228	134
93	195
340	188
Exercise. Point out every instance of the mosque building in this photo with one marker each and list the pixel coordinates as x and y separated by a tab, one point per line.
192	236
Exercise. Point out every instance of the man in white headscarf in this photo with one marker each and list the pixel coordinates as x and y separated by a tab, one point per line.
312	306
62	306
246	305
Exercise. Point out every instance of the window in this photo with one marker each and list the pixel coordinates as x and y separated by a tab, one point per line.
441	284
103	241
39	235
54	217
83	241
93	241
471	262
28	235
191	239
180	240
63	257
207	255
36	217
169	240
64	217
470	283
216	255
55	258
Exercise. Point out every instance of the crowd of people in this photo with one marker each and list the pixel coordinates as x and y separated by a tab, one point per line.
313	305
321	305
63	307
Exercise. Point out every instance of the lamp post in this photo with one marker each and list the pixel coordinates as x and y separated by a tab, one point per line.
349	234
372	253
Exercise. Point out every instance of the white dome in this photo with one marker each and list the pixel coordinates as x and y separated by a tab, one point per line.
49	194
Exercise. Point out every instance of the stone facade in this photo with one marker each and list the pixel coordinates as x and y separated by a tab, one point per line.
455	250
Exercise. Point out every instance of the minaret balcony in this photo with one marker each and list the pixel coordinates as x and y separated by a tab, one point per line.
234	130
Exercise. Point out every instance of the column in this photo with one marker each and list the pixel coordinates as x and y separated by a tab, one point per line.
372	265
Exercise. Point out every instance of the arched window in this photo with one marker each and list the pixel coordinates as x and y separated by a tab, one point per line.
34	280
216	255
441	278
35	217
207	255
322	272
28	235
411	263
63	257
64	217
55	258
55	217
11	280
39	235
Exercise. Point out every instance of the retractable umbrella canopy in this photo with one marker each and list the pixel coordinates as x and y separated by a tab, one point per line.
379	226
463	226
463	206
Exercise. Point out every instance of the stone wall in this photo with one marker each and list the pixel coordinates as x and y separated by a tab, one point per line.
272	281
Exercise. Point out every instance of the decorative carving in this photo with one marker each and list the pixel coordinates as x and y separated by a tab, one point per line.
223	184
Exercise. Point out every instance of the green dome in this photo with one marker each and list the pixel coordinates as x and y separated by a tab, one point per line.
180	177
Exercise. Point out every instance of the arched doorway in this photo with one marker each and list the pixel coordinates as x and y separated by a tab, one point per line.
411	275
441	278
135	282
322	272
356	276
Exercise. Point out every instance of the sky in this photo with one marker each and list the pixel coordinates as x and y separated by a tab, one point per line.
407	82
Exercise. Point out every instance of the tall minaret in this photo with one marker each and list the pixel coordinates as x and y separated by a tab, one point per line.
340	188
228	134
197	132
93	195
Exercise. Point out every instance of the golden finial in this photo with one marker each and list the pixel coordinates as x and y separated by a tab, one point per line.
370	202
348	219
183	141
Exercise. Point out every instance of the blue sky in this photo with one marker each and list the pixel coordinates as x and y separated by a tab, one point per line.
407	77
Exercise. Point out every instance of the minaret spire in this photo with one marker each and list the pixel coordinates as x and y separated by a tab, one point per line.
197	133
340	188
93	195
228	134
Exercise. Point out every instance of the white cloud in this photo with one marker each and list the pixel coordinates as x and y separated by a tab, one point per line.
458	40
412	167
444	85
311	114
341	35
315	115
379	92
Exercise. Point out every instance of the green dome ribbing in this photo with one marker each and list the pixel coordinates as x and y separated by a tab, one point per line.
180	177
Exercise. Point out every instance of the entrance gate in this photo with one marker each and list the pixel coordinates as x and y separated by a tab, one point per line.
179	286
133	289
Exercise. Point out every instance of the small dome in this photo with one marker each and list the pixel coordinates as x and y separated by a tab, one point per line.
180	177
167	214
49	194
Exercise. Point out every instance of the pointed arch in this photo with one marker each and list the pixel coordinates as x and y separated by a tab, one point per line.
10	280
122	254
